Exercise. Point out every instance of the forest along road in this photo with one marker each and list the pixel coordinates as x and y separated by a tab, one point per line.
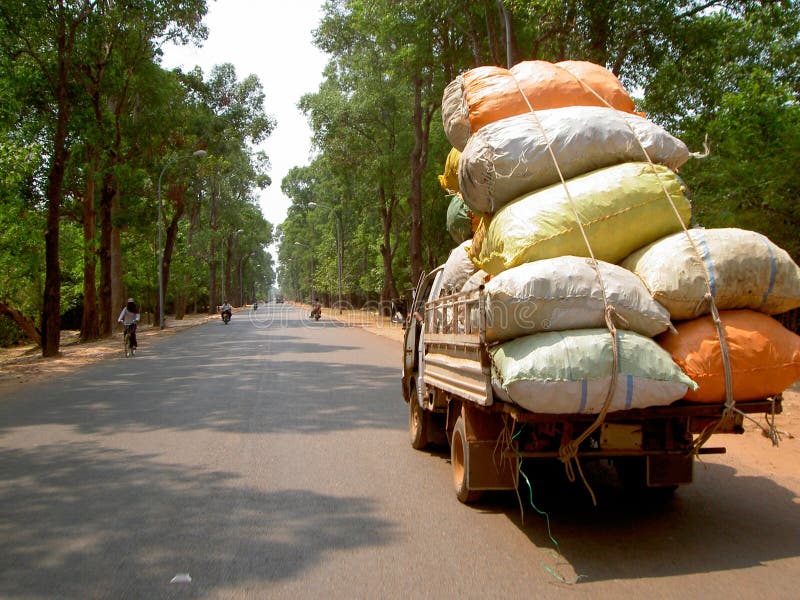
269	458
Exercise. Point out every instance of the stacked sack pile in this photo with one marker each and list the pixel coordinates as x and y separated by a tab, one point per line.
576	213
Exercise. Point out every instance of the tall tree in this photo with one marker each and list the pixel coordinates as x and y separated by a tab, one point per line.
48	33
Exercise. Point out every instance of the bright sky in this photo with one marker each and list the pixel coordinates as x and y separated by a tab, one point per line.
272	40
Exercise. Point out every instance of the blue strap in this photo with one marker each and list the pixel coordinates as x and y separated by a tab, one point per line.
705	253
629	392
584	394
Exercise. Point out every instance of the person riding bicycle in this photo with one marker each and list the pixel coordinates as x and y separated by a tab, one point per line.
225	308
129	317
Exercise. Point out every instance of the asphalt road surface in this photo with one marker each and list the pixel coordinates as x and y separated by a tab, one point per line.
269	458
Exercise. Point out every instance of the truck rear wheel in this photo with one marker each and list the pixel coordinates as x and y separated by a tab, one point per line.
417	421
459	458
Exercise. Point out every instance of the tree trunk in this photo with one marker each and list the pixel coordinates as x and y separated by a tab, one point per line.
25	323
181	299
90	324
226	286
415	195
512	49
419	159
51	306
389	289
106	308
213	298
176	194
212	281
118	298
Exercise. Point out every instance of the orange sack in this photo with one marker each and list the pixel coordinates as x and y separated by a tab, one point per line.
487	94
764	356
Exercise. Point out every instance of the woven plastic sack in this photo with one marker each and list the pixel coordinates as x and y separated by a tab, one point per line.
478	279
565	293
449	179
745	270
569	372
459	219
458	268
622	208
511	157
487	94
764	356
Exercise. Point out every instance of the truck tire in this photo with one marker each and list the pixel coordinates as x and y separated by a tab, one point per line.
459	458
417	420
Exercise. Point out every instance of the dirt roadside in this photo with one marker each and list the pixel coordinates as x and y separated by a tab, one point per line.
24	365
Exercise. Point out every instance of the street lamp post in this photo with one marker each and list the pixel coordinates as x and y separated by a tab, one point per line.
311	288
196	153
338	245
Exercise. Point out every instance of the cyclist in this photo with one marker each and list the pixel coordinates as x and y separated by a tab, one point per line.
129	317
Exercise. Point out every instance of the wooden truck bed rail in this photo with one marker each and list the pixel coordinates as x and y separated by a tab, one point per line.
455	357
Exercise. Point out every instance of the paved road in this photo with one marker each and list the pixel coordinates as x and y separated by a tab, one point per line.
269	459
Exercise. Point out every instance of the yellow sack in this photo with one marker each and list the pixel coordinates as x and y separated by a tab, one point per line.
622	208
449	180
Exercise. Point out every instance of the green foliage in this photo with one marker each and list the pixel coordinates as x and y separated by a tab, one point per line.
750	178
727	71
127	119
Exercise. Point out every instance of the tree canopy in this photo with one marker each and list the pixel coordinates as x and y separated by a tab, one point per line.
98	140
91	124
721	73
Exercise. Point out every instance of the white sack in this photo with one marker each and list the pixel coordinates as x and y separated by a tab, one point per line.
745	269
565	293
457	269
510	157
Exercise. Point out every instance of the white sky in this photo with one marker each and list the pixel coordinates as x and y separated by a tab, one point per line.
272	40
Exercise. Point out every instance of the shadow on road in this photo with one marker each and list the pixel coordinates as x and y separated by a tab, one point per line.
721	522
103	520
240	378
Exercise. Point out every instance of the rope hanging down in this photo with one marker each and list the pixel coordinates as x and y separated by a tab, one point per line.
728	412
569	451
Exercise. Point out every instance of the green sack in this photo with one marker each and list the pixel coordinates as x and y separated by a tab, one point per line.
459	223
569	372
622	208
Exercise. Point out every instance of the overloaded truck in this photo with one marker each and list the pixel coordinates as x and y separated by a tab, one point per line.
448	385
583	315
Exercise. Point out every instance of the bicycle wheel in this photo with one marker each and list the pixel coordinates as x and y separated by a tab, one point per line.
127	343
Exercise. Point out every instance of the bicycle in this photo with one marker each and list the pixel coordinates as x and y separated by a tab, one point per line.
130	350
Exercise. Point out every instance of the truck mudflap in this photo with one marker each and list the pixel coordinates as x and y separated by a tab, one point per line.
478	453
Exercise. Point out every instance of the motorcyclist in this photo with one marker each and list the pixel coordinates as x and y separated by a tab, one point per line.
316	309
225	308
